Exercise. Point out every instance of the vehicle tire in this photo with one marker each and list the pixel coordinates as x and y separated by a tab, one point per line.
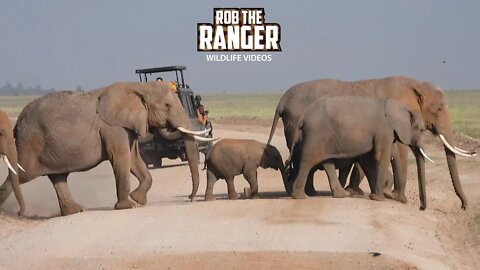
157	163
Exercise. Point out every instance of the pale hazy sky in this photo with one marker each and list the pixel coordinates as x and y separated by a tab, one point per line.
63	44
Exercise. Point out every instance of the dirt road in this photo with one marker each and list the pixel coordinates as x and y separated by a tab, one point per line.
274	231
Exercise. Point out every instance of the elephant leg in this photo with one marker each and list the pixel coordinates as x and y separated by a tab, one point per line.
140	171
117	146
232	193
122	180
211	180
298	188
394	179
367	164
399	166
335	187
383	155
355	180
65	200
309	187
387	189
343	175
251	178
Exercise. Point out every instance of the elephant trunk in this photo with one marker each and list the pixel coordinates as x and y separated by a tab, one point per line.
192	157
283	172
452	167
11	160
421	178
289	174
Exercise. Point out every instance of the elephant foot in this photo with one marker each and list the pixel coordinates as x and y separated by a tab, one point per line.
339	193
126	204
355	191
389	194
399	197
139	196
209	197
299	195
71	209
249	194
377	197
233	196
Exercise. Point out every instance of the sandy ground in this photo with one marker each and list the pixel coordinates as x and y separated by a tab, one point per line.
274	231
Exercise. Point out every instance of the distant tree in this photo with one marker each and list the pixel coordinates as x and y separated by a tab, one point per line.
19	87
8	90
79	89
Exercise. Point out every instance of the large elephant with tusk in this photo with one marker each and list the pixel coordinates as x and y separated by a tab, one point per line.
8	153
424	98
66	132
362	129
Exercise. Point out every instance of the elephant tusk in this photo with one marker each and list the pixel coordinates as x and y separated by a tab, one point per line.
455	151
203	139
201	132
425	155
473	153
20	167
5	159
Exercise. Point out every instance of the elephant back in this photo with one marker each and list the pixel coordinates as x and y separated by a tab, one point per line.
63	108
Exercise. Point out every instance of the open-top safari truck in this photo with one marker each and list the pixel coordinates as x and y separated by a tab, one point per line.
165	143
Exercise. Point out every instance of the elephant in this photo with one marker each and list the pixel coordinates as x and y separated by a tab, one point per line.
65	132
231	157
423	98
361	129
8	153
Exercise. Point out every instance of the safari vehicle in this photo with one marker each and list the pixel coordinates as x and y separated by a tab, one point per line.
165	143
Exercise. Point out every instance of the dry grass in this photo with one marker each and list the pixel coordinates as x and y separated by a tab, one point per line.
464	107
242	106
13	105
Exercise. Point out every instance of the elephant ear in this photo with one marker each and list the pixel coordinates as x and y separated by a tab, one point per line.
123	107
400	119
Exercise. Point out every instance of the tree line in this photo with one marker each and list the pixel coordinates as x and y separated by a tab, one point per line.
20	90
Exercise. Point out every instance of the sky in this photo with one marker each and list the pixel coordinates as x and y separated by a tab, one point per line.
66	44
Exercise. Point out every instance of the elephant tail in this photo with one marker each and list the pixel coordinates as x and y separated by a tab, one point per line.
278	114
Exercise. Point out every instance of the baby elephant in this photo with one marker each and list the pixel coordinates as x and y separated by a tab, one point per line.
231	157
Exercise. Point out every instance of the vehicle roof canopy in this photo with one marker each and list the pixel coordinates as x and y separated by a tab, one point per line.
159	69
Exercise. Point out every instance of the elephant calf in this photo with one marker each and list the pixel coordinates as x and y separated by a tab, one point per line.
231	157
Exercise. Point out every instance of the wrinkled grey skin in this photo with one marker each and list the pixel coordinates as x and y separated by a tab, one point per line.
7	148
66	132
231	157
421	97
359	129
